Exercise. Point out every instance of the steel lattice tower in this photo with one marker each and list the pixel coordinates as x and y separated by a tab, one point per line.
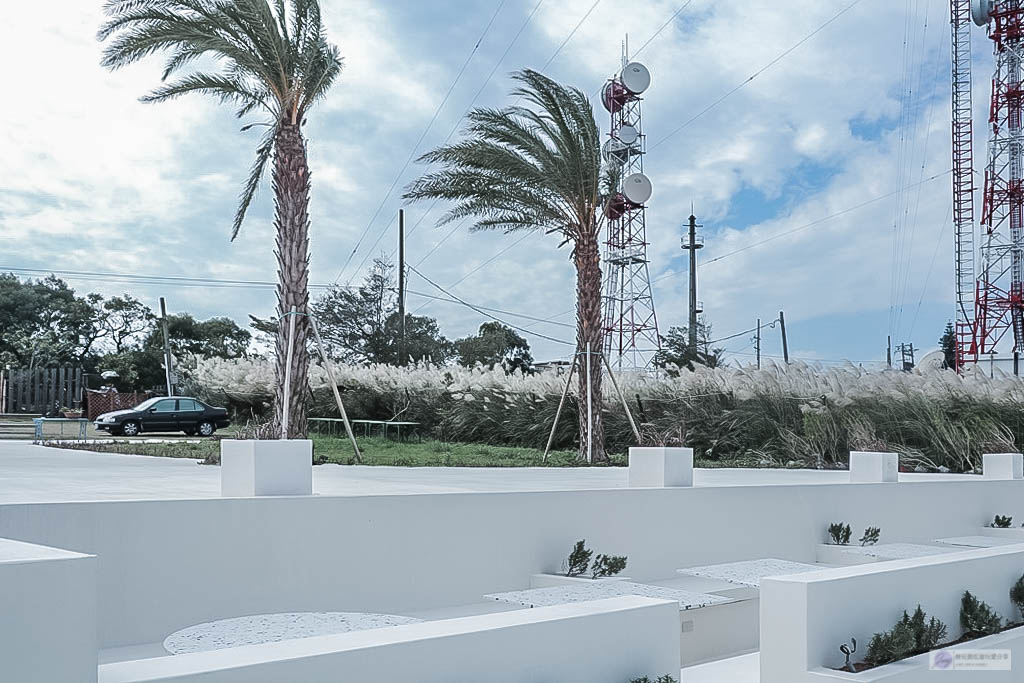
630	324
963	182
1000	297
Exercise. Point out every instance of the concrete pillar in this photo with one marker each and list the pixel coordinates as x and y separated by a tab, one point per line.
868	467
660	466
266	468
1003	465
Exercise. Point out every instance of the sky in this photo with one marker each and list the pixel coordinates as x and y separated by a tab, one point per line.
821	184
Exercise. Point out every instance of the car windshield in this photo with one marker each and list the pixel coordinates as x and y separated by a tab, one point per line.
148	403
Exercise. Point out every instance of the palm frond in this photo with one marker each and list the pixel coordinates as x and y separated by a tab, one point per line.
259	167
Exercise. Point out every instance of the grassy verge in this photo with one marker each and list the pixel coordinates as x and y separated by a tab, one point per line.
375	451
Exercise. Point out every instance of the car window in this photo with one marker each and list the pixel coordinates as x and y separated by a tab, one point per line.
147	404
165	406
187	404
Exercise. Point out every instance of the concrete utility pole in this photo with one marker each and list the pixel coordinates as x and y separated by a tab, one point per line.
168	370
888	352
757	344
692	244
785	341
401	285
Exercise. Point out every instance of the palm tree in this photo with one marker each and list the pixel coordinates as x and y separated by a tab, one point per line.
536	167
267	56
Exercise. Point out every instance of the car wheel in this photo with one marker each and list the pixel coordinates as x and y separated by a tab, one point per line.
207	428
130	429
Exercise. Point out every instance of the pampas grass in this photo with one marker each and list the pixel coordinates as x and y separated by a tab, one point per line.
801	414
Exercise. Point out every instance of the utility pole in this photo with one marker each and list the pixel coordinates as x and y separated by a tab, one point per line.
168	371
757	344
401	285
785	342
692	244
888	352
907	356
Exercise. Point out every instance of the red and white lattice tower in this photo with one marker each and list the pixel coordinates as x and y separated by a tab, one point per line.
1000	294
630	324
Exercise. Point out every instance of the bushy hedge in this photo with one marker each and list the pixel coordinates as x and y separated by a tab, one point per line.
798	414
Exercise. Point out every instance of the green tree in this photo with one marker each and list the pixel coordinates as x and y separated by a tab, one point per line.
268	56
536	166
124	320
947	342
44	323
495	344
348	318
676	351
216	337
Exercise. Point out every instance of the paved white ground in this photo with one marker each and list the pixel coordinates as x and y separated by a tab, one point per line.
30	473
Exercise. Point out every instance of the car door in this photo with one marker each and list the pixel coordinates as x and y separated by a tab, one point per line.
162	416
189	413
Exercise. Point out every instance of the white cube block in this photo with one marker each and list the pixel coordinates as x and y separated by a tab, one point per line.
1003	465
266	468
660	466
867	467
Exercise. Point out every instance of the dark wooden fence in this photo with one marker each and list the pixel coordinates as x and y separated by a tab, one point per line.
40	390
99	402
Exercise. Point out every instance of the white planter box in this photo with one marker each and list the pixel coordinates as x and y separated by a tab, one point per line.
1003	465
548	580
660	467
266	468
829	553
872	468
1015	533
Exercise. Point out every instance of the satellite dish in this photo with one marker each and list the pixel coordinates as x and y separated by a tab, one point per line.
637	188
636	77
614	152
981	10
627	134
614	96
936	360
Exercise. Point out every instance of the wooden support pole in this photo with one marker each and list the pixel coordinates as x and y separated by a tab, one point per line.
286	392
629	414
334	387
558	413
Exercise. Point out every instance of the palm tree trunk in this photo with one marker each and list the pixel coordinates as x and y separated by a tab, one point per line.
291	221
589	336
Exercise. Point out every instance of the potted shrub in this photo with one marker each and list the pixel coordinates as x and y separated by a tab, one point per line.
581	565
1002	526
837	550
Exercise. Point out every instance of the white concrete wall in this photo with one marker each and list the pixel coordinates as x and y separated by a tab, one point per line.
47	614
165	565
605	641
805	618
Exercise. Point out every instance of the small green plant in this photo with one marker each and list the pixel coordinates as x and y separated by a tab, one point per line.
912	635
871	536
608	565
661	679
977	619
840	533
849	651
579	559
1017	595
1001	522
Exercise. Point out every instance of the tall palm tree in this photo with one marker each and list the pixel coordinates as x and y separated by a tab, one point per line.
267	56
536	167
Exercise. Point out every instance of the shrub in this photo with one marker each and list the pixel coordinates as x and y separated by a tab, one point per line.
840	533
1017	595
1001	522
871	536
608	565
661	679
912	635
579	559
977	619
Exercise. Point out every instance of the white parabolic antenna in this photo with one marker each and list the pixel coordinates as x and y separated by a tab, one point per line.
936	360
627	134
636	77
637	188
981	10
615	152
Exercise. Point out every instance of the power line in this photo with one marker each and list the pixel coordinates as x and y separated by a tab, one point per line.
754	75
176	280
423	135
812	223
663	27
571	34
482	312
494	310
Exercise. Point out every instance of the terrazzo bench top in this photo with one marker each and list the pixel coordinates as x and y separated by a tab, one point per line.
750	572
898	551
977	541
598	590
272	628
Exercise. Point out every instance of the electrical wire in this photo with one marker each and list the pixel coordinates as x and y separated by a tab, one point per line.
493	310
757	73
423	135
161	280
485	314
